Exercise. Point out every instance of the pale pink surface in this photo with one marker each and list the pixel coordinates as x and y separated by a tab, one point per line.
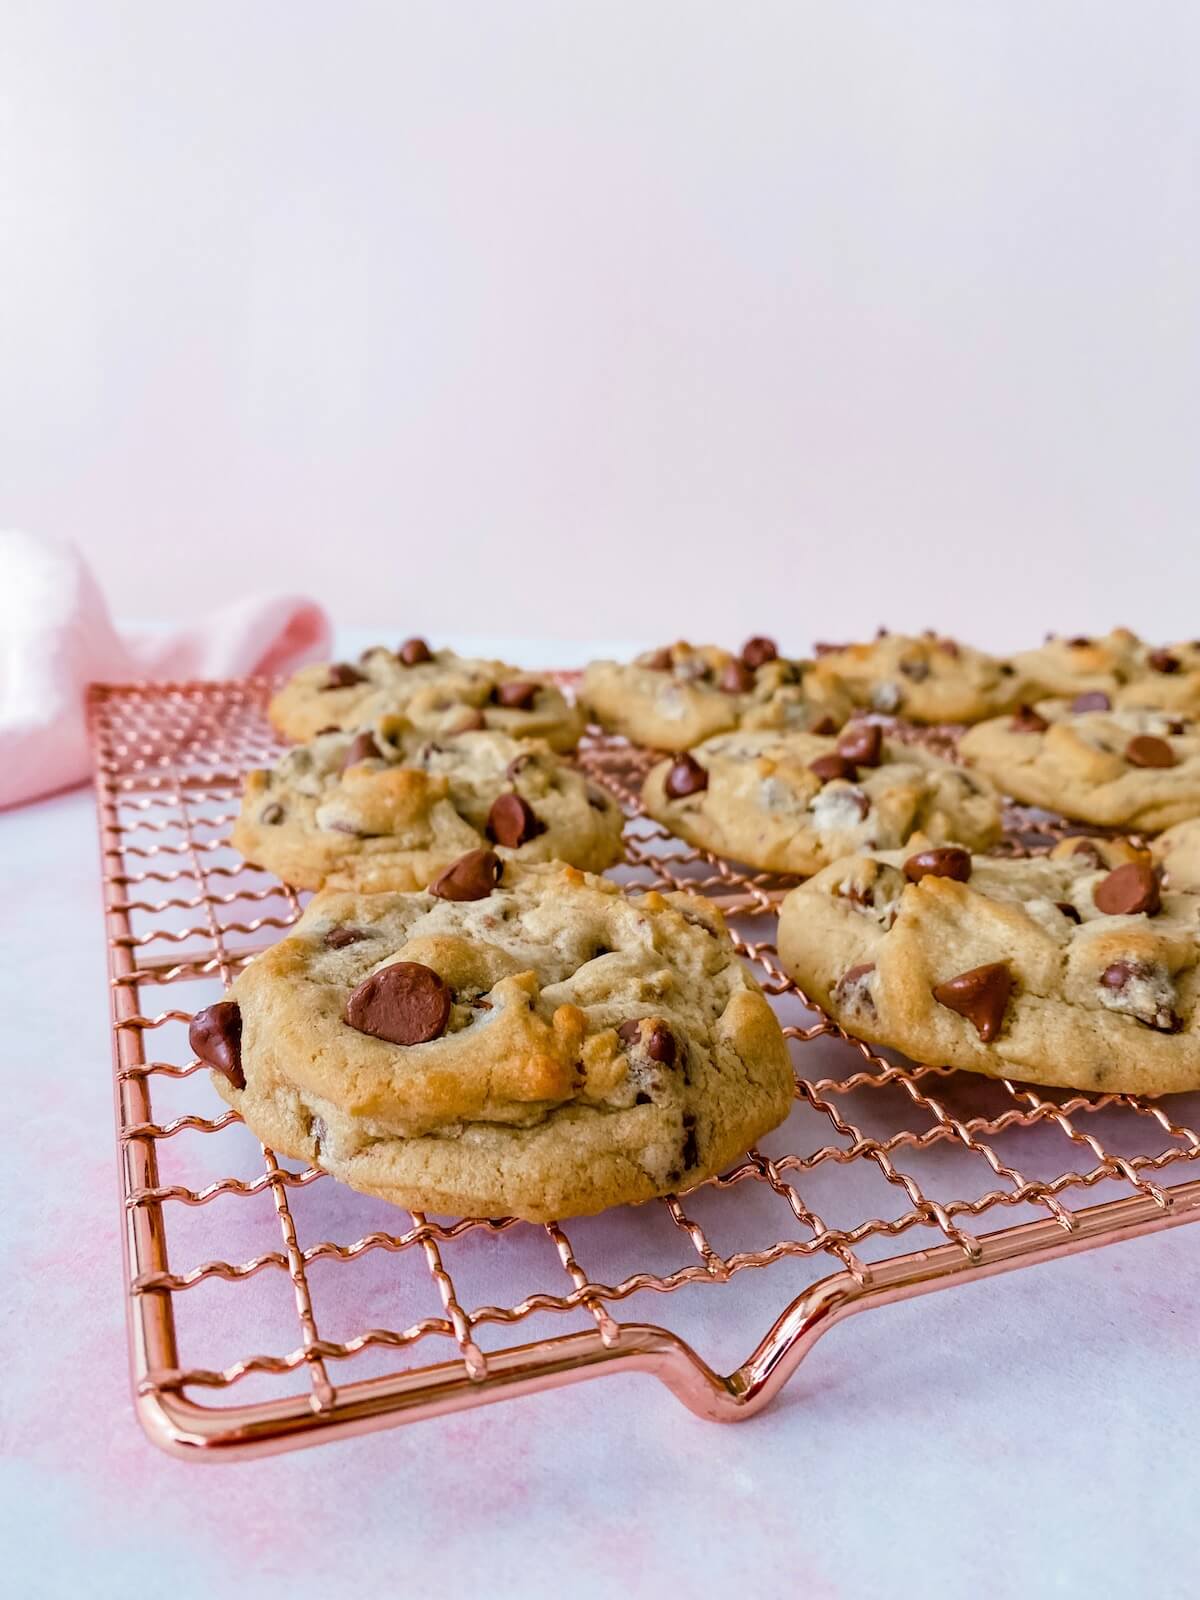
893	1463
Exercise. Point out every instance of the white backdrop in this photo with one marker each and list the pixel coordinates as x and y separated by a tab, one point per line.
624	318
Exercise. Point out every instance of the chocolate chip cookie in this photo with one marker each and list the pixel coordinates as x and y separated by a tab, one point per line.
672	698
1113	769
437	690
925	678
794	802
1177	852
1061	970
543	1046
1114	670
390	807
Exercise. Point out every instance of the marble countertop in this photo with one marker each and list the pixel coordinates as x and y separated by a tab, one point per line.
1028	1435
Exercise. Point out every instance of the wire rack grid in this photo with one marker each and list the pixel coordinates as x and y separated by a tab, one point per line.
270	1307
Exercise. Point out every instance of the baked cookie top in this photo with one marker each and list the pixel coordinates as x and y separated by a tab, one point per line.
1177	852
794	802
1118	769
1076	969
923	678
437	690
673	697
1118	666
545	1048
391	807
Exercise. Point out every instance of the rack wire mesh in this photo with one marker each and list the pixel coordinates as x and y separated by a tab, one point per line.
270	1307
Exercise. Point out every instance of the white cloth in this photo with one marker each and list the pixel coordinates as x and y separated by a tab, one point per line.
56	637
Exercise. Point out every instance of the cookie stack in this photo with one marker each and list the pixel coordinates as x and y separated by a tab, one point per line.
468	1018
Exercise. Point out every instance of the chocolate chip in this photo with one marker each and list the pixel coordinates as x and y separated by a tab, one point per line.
1068	911
517	696
980	995
413	652
863	745
1143	750
826	726
271	814
512	821
947	862
1119	974
949	646
518	764
342	676
1164	661
331	727
362	748
1081	643
833	766
690	1153
597	801
642	1100
660	661
1027	720
471	877
406	1003
686	777
736	678
850	978
918	671
757	651
215	1036
1007	670
337	938
655	1038
822	649
1094	700
1129	890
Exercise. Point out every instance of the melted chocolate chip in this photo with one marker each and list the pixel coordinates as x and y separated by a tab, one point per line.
686	776
1027	720
330	727
1129	890
850	979
826	725
1144	750
980	995
342	676
736	678
653	1036
215	1036
833	766
1119	974
862	746
759	650
517	696
362	748
406	1003
1164	661
690	1154
512	821
272	814
1094	700
413	652
660	661
1068	911
947	862
917	671
337	938
1080	643
471	877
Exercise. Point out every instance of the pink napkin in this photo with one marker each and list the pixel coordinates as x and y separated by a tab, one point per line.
56	637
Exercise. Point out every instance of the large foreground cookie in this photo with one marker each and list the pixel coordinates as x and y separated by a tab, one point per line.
795	802
1113	769
1117	666
1076	970
671	699
546	1050
390	808
923	679
438	691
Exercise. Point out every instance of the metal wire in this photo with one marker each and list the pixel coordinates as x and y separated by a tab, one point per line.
956	1158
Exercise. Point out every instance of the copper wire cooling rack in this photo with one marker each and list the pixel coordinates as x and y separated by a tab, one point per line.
269	1307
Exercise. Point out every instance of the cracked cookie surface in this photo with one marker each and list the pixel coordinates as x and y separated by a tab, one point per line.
792	803
545	1050
1117	667
391	807
672	698
437	690
1112	769
1077	969
923	678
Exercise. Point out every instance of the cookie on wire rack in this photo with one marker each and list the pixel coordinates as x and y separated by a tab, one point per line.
390	807
437	690
524	1041
673	697
1076	969
1120	667
924	678
1107	768
792	803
